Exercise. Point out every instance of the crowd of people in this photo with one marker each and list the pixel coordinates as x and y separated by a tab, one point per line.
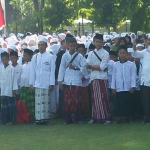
100	77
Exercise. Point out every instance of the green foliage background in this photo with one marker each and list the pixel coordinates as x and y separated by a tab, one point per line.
52	15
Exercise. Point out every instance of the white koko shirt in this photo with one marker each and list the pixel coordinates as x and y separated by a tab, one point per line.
145	56
123	76
42	71
71	76
25	75
93	60
8	81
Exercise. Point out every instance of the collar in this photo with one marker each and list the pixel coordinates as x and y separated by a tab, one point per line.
123	62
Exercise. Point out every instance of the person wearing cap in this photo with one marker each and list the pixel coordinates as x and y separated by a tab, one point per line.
115	46
140	47
145	78
53	41
42	78
61	37
86	33
97	62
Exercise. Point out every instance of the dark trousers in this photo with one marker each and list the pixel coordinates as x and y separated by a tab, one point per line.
136	105
123	104
8	109
145	95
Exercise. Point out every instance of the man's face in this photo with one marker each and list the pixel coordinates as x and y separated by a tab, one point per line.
72	46
42	47
98	43
116	41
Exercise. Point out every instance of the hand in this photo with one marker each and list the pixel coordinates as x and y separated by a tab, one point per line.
14	92
88	66
113	91
83	79
31	87
60	85
106	69
51	88
132	90
70	66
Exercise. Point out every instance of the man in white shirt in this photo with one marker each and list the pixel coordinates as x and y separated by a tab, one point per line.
42	77
145	77
97	62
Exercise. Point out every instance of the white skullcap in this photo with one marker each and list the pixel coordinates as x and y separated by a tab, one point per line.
33	48
12	47
24	47
138	45
62	36
53	40
32	41
117	36
130	50
86	31
11	34
68	32
55	48
43	40
107	44
148	36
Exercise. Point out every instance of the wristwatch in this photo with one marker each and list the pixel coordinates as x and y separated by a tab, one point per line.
75	68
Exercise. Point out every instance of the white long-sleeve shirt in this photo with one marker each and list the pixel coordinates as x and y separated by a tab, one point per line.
93	60
71	76
18	70
42	71
110	70
86	75
145	56
123	76
25	74
8	81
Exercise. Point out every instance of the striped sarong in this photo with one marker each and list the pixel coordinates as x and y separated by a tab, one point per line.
100	100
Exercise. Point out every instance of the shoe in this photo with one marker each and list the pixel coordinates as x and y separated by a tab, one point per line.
91	121
107	122
80	122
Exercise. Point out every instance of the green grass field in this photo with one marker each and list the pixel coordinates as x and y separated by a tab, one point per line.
134	136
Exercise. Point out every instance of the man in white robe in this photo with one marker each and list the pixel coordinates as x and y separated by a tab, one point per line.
42	77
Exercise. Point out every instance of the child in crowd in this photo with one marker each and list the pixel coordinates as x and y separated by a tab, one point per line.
8	86
70	75
17	67
123	84
85	83
27	95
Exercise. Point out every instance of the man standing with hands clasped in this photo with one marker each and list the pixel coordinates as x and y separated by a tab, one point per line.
42	77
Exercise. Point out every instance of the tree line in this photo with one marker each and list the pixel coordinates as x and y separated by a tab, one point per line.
52	15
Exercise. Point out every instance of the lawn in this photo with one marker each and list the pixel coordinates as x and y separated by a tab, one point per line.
134	136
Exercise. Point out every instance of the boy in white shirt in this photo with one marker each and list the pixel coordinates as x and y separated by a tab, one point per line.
97	62
27	95
85	83
123	84
70	75
8	86
42	78
17	67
